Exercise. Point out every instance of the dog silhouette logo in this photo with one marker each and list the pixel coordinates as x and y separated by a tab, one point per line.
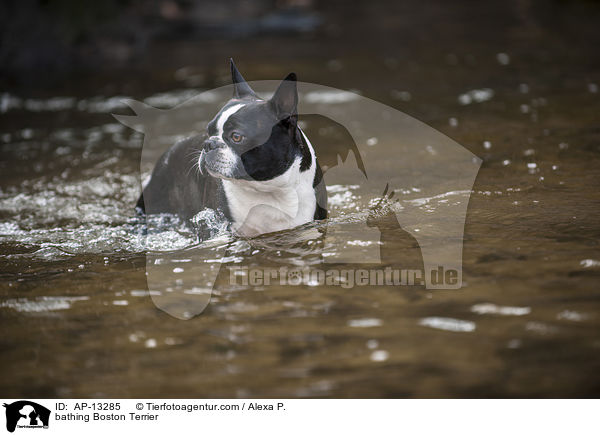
364	148
26	414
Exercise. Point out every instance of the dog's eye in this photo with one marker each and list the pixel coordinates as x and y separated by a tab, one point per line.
236	137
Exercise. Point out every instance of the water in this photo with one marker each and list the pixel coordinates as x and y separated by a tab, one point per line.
78	319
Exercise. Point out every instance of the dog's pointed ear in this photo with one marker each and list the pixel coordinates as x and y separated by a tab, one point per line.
285	100
241	88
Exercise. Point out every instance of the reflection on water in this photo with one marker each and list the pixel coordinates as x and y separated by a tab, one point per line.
42	304
79	320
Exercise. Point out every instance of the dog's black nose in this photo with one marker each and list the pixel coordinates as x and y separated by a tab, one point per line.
212	143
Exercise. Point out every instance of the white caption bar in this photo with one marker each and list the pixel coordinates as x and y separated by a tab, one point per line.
300	416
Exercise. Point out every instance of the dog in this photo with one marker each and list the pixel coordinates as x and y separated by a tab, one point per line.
254	166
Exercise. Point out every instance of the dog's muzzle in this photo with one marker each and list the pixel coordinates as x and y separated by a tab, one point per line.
213	143
210	144
217	159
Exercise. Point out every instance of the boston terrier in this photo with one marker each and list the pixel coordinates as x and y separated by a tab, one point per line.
254	166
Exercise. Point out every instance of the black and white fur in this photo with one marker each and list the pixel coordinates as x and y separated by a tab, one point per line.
255	166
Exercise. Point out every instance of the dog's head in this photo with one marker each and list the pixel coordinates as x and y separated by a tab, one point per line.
251	138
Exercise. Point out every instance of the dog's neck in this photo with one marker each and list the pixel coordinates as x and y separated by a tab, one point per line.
284	202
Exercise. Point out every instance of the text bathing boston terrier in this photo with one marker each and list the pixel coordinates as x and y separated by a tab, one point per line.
256	167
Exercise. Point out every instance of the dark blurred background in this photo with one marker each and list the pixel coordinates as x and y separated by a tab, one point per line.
140	46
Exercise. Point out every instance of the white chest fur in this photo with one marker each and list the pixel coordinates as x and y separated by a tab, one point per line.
286	201
259	207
